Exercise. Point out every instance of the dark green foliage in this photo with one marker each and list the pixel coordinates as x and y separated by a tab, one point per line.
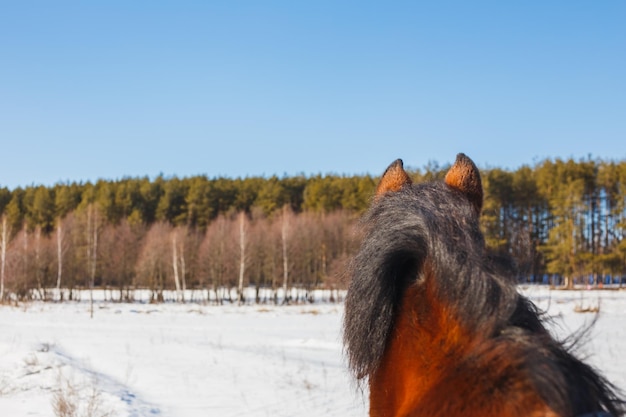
5	197
271	196
67	198
172	207
15	210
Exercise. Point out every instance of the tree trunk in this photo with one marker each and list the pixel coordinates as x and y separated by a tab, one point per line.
3	256
284	238
27	286
183	271
40	289
175	266
59	257
242	255
92	250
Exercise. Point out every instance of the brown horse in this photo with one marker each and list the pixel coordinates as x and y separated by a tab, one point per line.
435	324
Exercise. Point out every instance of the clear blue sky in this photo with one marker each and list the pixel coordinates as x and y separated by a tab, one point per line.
110	89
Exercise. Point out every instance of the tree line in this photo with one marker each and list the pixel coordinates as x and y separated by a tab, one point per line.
561	217
558	218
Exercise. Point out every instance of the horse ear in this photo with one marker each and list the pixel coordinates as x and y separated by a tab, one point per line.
394	178
464	176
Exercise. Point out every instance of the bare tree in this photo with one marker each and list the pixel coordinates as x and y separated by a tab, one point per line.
59	255
286	219
62	246
3	253
175	266
153	264
178	261
261	264
25	263
92	250
243	229
118	252
215	257
209	267
306	252
28	265
16	267
37	271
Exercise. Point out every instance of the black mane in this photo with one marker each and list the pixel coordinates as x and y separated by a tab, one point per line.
434	222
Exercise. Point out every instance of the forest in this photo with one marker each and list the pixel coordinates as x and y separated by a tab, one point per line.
563	222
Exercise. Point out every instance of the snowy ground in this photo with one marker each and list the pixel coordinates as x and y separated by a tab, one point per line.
136	360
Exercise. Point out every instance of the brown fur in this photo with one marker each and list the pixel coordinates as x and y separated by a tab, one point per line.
463	176
394	178
425	370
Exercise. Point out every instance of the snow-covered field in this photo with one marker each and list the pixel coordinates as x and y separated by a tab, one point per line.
189	360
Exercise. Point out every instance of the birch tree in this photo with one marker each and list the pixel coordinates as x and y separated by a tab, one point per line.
284	238
62	240
92	250
243	228
178	262
40	288
59	256
3	254
25	263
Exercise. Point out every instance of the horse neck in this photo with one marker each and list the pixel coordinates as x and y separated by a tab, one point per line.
425	339
419	371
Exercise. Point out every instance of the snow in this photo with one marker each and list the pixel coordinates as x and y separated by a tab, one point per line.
188	360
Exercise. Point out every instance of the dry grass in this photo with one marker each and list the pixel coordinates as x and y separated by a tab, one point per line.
65	400
74	400
580	309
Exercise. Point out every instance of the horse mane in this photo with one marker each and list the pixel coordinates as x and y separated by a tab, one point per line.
402	230
435	224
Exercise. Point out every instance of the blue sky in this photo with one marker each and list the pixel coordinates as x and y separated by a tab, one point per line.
112	89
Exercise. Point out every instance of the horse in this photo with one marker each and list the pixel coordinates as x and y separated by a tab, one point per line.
434	323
